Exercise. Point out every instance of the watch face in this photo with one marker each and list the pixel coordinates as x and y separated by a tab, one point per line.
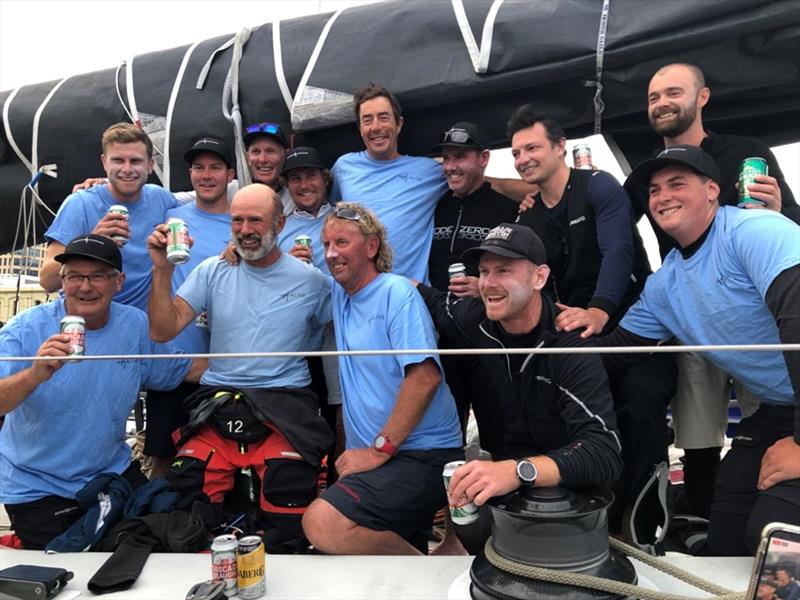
526	471
380	442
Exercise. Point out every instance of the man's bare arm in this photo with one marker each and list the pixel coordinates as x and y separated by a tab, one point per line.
15	388
516	189
168	316
48	273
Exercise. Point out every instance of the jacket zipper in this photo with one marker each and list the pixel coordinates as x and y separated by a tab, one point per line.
455	229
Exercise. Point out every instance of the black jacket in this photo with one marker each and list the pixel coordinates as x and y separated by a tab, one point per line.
555	404
462	223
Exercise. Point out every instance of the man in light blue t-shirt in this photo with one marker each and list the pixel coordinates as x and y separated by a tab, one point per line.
255	413
733	279
65	421
211	169
400	419
128	161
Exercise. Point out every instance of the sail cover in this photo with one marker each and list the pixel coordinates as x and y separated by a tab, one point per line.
585	62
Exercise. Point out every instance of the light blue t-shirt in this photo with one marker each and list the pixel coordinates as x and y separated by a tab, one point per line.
388	314
302	222
403	193
81	211
716	296
211	233
252	309
72	427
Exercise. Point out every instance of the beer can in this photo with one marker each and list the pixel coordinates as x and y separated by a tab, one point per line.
119	209
178	249
456	270
465	512
302	240
251	559
582	156
752	166
75	327
223	562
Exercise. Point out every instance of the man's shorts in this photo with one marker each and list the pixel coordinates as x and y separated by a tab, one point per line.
165	414
401	495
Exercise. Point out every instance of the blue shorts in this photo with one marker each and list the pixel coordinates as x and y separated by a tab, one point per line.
401	495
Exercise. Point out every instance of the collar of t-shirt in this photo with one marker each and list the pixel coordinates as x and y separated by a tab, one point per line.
692	248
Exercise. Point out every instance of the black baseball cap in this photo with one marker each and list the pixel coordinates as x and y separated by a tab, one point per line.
273	130
512	241
209	144
461	135
685	155
300	157
96	247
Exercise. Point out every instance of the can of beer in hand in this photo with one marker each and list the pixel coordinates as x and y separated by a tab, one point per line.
582	156
251	559
465	512
223	562
456	271
755	165
118	209
75	327
302	240
178	249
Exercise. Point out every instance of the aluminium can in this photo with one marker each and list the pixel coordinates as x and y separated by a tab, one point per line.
119	209
465	512
751	167
456	270
251	562
224	563
302	240
582	156
75	327
178	249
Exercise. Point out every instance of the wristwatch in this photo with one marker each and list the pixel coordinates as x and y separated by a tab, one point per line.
382	444
526	472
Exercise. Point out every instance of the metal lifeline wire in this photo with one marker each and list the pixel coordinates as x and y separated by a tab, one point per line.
661	349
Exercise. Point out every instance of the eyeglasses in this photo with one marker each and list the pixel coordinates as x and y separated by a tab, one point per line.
271	128
347	213
96	278
458	136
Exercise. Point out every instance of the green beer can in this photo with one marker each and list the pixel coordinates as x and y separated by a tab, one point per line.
465	512
751	167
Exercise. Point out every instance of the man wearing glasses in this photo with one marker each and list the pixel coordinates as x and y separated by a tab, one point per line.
128	161
65	421
399	416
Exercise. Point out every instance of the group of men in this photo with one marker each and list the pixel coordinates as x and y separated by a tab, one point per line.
570	271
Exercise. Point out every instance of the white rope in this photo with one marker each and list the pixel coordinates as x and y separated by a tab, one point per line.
119	92
277	55
230	94
36	118
133	112
201	78
312	62
10	136
599	105
173	98
478	55
440	351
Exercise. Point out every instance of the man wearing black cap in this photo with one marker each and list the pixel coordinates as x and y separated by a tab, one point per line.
65	421
464	216
734	279
209	222
558	422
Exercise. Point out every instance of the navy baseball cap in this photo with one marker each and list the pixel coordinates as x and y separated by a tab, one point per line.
209	144
273	130
685	155
96	247
511	240
300	157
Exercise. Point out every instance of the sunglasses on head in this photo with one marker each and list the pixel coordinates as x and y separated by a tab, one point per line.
457	136
272	128
347	213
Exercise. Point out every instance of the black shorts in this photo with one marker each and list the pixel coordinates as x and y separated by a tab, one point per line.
401	495
165	414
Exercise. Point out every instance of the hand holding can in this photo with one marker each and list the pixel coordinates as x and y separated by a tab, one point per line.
465	512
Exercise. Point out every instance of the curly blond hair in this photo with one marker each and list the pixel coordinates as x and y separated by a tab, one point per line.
369	225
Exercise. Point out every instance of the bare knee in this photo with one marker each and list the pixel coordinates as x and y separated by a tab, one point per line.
323	525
